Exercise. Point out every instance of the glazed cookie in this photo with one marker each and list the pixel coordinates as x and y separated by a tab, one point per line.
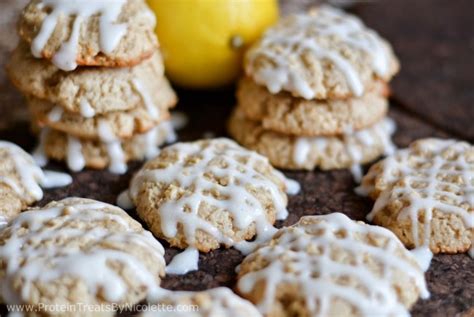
111	152
21	180
92	33
297	116
217	302
209	193
332	266
122	124
425	195
324	54
288	152
78	252
89	91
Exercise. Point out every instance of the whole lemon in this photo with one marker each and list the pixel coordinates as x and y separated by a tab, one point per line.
203	41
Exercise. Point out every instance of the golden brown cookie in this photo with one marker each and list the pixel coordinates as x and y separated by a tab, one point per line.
289	152
123	124
332	266
78	252
91	90
112	152
21	180
323	54
286	114
425	195
92	33
209	193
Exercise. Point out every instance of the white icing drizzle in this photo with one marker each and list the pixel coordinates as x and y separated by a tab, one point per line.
118	164
46	262
298	33
55	114
222	302
354	143
147	100
184	262
3	222
39	154
31	175
292	186
110	32
179	119
86	109
423	256
431	170
163	133
149	141
75	159
242	205
315	275
125	201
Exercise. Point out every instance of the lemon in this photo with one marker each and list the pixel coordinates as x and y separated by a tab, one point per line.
203	41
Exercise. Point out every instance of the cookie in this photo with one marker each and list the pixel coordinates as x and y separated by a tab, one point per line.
91	90
425	195
332	266
78	252
209	193
71	33
123	124
286	114
217	302
21	180
323	54
307	153
112	152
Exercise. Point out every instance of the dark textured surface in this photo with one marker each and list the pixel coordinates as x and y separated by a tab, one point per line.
451	277
435	42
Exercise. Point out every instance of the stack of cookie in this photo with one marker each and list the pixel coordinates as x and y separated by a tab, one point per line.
315	93
94	80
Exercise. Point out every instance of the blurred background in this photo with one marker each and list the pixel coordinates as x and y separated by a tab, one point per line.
433	38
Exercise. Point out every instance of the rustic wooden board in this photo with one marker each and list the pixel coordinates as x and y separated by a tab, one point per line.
450	278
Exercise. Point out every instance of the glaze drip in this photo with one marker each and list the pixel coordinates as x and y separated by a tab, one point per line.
33	262
354	142
237	176
31	176
316	275
298	34
427	181
110	32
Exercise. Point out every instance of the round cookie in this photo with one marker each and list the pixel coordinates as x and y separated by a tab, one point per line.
425	195
93	33
332	266
217	302
21	180
123	124
289	152
78	252
297	116
323	54
92	90
113	153
209	193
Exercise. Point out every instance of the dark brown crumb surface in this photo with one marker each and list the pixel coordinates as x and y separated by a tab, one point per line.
428	101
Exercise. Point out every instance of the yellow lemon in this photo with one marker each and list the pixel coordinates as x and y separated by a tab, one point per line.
203	41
